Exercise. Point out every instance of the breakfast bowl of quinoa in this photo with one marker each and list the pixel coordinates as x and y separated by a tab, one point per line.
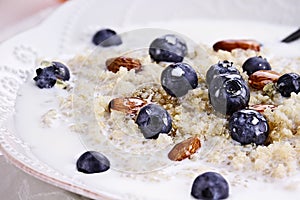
193	108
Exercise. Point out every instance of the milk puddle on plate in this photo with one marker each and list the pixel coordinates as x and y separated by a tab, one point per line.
58	147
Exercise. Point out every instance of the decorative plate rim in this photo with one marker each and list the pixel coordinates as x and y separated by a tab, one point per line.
20	58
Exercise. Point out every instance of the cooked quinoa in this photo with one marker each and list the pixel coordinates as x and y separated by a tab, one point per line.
95	87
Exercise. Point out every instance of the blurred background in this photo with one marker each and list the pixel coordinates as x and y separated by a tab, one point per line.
19	15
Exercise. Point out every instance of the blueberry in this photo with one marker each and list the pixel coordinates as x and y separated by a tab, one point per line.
45	77
210	185
92	162
168	48
228	93
254	64
106	38
152	120
177	79
288	83
224	67
248	126
61	71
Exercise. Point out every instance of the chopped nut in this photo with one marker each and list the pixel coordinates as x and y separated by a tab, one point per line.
261	78
261	108
229	45
114	64
269	89
185	149
129	105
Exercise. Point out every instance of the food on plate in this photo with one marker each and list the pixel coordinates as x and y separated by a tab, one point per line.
229	45
220	109
48	76
129	105
168	48
248	126
254	64
114	64
45	77
224	67
178	78
261	78
185	149
288	83
92	162
152	120
106	38
210	185
61	71
262	107
228	93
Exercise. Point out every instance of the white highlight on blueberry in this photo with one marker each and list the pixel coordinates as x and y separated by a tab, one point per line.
148	111
246	111
254	121
157	51
217	93
266	126
232	76
171	40
178	72
165	120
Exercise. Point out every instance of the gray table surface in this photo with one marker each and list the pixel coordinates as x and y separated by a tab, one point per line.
17	185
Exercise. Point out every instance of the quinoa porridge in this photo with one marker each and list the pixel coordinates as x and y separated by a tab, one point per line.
85	102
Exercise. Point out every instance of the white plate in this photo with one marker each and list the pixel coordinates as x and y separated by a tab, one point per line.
68	31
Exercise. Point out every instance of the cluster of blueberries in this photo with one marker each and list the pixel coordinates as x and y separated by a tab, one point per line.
48	76
176	79
229	94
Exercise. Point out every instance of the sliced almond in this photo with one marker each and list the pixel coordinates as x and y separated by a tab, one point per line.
129	105
229	45
114	64
185	149
261	78
261	108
